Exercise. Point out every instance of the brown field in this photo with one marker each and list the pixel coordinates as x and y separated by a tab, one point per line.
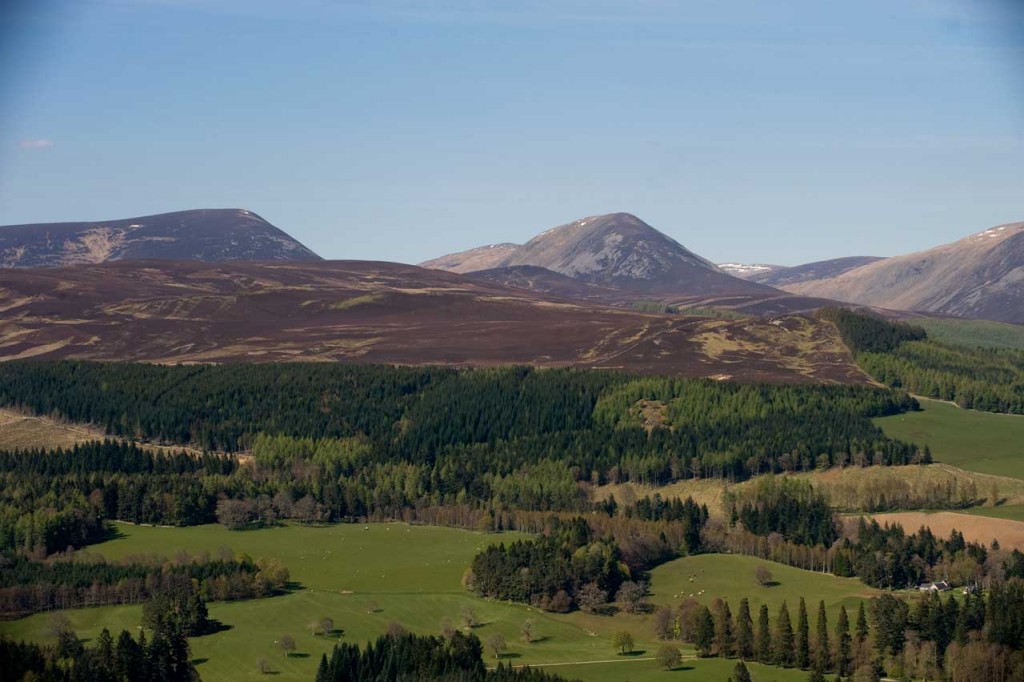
1010	534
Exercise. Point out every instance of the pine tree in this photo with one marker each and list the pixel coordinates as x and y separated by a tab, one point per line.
763	641
744	631
725	638
740	673
862	624
784	641
822	647
704	632
323	673
844	652
803	634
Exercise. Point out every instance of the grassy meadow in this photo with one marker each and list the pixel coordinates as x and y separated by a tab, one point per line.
731	577
365	577
976	441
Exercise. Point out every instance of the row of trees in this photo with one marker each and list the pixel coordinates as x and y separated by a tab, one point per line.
457	657
925	640
28	586
789	521
788	642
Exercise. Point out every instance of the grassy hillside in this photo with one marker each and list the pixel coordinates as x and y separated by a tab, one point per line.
974	333
976	441
365	577
731	577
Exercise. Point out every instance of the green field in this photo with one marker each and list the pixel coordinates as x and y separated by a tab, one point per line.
973	333
411	575
1011	512
976	441
731	577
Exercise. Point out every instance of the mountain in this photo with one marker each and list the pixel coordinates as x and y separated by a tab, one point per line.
357	311
824	269
205	235
480	258
981	276
748	270
617	250
544	281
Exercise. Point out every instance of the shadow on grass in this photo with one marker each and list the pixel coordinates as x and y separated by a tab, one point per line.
771	583
540	640
680	669
634	653
213	626
199	661
508	655
110	532
298	654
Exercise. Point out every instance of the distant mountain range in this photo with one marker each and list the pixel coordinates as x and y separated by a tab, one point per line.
980	276
782	276
617	256
210	235
597	292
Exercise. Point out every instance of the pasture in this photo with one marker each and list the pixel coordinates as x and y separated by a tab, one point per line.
731	577
976	441
366	577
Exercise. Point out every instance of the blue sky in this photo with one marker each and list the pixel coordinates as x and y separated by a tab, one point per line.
782	131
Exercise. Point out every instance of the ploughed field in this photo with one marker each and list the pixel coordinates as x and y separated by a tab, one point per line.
365	577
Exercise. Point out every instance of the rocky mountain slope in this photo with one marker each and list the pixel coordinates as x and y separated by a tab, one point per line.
205	235
782	276
981	276
357	311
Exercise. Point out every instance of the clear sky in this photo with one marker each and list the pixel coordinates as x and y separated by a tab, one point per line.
778	131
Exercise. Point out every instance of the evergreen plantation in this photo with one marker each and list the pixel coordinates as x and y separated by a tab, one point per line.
902	356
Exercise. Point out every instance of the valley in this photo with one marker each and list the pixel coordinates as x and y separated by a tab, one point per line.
601	433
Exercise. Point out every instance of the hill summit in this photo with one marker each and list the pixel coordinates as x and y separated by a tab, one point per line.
211	235
616	249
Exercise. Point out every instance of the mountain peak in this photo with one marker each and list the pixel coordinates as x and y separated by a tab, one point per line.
610	248
614	249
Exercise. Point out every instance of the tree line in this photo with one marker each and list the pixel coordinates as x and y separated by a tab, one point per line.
790	522
28	586
933	638
403	657
902	356
174	612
